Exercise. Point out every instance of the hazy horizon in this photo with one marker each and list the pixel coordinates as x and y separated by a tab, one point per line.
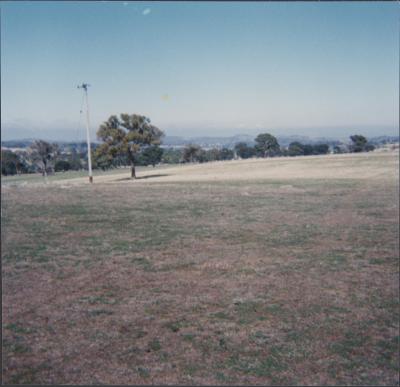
201	69
329	133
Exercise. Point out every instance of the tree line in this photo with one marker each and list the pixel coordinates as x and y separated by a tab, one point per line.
131	140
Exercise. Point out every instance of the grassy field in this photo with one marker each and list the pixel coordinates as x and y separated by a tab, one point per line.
277	271
37	178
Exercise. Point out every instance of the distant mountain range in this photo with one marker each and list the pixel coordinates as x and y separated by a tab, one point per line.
219	142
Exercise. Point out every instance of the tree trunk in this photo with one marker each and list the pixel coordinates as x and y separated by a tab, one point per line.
44	169
133	172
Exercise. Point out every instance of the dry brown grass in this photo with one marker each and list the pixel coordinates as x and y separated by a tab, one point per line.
279	271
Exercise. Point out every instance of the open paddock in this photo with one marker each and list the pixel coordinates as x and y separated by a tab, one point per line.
265	271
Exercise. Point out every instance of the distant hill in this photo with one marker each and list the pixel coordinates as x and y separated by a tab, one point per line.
17	143
20	144
384	140
207	141
217	142
230	142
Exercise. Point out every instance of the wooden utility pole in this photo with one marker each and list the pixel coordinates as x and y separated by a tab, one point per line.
84	86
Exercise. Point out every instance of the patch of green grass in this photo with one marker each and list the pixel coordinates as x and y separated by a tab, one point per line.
189	337
388	355
143	263
347	346
103	299
223	344
99	335
191	368
296	336
274	309
163	356
16	346
17	328
207	345
155	345
175	326
143	372
30	375
221	315
332	261
247	270
248	311
29	252
221	377
280	235
260	338
99	312
123	245
259	364
377	261
176	266
130	354
132	350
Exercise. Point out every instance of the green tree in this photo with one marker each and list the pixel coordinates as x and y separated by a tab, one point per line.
172	156
358	143
213	154
9	162
266	145
43	153
296	149
308	149
244	151
226	154
201	156
126	136
369	147
337	149
152	155
24	164
191	153
321	149
102	159
74	160
62	166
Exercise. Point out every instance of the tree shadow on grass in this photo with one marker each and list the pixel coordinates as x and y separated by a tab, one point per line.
143	177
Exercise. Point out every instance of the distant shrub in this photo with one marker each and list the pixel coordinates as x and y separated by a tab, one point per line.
172	156
62	166
369	147
244	151
12	163
320	149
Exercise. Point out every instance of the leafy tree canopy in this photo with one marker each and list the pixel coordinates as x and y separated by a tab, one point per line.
358	143
42	153
244	151
296	149
126	136
267	145
152	155
192	153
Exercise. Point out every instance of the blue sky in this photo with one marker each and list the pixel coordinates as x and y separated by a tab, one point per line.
209	68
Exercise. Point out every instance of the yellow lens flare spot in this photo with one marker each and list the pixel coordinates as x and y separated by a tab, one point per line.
165	97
